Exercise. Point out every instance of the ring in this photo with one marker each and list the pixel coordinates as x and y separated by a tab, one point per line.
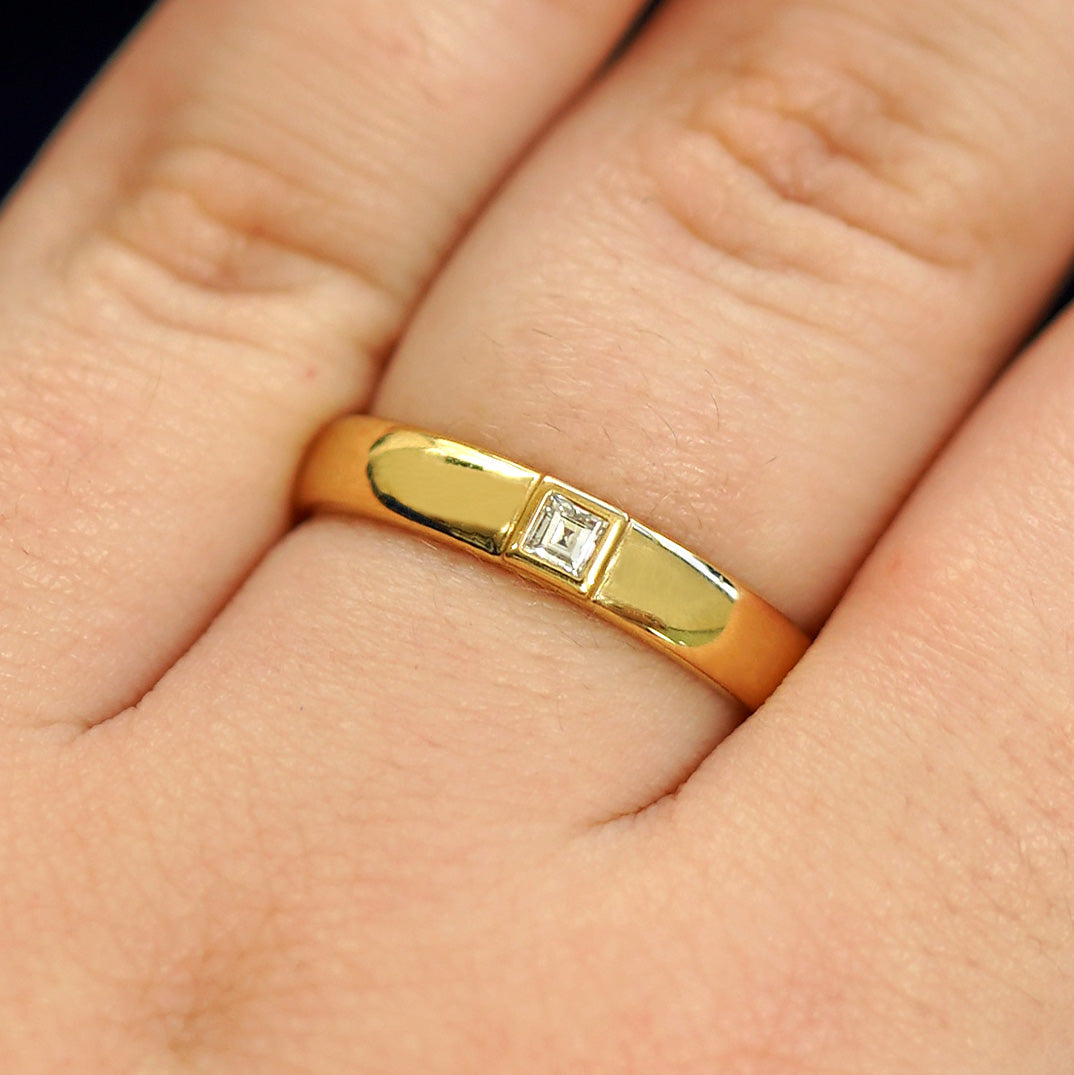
562	538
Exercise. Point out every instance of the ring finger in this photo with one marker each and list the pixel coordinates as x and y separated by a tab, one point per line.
744	292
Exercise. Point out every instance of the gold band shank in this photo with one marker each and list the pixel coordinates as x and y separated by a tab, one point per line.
490	506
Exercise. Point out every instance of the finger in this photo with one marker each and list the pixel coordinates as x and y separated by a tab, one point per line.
931	733
744	293
208	264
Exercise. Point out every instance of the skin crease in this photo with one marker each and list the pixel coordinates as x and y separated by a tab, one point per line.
331	799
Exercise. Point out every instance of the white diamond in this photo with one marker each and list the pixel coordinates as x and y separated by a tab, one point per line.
564	535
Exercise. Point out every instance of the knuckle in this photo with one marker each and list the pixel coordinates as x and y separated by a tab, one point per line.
806	135
210	241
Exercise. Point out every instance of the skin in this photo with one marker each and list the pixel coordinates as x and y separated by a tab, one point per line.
330	799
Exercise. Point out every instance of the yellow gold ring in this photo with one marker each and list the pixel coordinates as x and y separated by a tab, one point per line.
562	538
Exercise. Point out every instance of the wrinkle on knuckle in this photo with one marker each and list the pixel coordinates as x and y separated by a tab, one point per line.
208	241
798	144
200	290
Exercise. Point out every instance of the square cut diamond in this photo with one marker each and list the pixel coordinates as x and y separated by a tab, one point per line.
563	534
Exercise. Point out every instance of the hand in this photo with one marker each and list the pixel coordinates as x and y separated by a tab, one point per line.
335	801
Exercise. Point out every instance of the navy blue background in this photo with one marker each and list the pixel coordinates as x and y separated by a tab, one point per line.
49	50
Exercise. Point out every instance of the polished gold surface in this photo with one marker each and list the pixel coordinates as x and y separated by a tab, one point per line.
416	478
660	589
560	537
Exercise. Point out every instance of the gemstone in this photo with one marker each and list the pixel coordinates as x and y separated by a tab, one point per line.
564	535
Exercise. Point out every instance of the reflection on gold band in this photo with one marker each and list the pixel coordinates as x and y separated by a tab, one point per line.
561	537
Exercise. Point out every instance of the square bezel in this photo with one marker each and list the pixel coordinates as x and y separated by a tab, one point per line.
564	512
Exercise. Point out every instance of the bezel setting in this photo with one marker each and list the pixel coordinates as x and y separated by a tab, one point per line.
565	536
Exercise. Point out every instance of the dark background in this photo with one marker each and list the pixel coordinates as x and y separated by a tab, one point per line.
49	50
48	53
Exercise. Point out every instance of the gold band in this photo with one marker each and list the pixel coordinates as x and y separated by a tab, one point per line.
562	538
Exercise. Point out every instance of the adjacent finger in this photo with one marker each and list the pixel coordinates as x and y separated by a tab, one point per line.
211	261
745	293
931	733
